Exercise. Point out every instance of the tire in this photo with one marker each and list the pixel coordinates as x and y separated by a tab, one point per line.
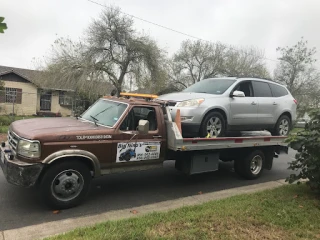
247	169
59	179
213	119
280	129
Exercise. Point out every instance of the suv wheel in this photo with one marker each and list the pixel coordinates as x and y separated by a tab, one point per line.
65	184
213	125
282	127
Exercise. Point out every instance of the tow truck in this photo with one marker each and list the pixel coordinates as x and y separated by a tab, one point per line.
60	156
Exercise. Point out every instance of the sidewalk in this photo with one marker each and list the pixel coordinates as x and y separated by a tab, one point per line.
52	228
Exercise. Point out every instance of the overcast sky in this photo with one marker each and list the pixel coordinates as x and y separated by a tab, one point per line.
33	25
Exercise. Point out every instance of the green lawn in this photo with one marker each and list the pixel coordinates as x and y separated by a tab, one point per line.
4	129
288	212
5	121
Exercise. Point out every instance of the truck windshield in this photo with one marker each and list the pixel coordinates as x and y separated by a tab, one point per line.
211	86
104	112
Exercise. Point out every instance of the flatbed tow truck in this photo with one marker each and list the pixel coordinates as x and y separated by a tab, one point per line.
60	156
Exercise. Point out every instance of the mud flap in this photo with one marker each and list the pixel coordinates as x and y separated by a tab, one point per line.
269	154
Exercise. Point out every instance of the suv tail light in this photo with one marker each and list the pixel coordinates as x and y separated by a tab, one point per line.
295	101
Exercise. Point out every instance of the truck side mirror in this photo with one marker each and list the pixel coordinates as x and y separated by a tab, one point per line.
143	127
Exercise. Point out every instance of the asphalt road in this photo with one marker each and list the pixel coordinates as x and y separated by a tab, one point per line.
21	207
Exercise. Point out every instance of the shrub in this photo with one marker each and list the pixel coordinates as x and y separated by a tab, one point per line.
307	159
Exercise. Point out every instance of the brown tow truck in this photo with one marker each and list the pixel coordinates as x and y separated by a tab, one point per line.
61	156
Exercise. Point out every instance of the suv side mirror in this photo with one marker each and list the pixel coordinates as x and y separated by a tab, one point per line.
238	94
143	127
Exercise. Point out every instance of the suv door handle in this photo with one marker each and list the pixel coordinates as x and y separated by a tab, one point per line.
253	103
274	103
157	136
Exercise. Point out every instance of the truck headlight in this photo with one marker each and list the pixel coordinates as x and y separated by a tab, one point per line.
190	103
29	149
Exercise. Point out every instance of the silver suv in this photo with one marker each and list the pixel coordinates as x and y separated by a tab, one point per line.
215	106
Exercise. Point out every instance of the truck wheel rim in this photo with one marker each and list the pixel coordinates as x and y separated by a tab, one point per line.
67	185
256	164
284	127
214	126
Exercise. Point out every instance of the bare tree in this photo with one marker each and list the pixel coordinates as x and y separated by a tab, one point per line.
295	68
199	60
111	50
297	72
245	62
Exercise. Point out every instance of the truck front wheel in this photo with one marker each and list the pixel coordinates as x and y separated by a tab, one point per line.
65	184
251	165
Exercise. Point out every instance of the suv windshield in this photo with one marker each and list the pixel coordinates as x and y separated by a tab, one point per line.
104	112
212	86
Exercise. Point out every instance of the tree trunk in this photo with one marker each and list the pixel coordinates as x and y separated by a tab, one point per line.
119	89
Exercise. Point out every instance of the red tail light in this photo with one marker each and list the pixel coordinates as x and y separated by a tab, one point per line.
295	101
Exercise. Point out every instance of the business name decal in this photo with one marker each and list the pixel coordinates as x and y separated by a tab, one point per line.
93	137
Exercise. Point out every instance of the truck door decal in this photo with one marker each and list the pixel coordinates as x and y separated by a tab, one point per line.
137	151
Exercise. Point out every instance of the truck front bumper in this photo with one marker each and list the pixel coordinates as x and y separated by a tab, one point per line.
17	172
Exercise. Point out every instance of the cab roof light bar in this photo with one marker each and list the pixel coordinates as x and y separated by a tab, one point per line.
138	95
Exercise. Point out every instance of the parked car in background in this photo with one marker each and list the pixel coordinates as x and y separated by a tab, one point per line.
216	106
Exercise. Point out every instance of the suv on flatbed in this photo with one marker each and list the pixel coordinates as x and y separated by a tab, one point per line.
216	106
60	156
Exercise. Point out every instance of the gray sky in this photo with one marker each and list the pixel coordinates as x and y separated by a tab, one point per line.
33	25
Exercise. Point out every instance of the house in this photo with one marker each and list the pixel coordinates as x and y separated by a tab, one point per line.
22	95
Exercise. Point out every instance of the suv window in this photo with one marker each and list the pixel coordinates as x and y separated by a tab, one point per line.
261	89
211	86
245	87
131	122
278	91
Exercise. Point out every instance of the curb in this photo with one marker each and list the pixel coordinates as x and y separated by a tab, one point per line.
47	229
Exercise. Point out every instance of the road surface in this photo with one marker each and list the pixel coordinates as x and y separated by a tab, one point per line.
21	207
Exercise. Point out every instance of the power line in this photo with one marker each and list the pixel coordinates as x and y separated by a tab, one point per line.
167	28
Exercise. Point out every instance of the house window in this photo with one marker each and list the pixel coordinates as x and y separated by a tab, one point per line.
64	100
45	101
13	95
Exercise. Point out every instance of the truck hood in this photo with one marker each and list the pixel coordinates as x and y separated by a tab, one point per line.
182	96
57	129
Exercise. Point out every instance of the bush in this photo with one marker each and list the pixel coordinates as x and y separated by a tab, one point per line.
307	143
5	120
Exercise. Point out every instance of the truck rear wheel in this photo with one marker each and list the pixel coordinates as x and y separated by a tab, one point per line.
65	185
251	165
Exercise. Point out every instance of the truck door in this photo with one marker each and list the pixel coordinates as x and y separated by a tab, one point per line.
133	148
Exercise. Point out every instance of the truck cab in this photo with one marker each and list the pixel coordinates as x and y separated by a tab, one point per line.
103	140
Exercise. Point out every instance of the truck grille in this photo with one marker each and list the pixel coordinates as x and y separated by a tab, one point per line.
13	140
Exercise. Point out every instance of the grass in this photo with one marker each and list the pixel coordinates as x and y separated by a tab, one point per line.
288	212
4	129
5	121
